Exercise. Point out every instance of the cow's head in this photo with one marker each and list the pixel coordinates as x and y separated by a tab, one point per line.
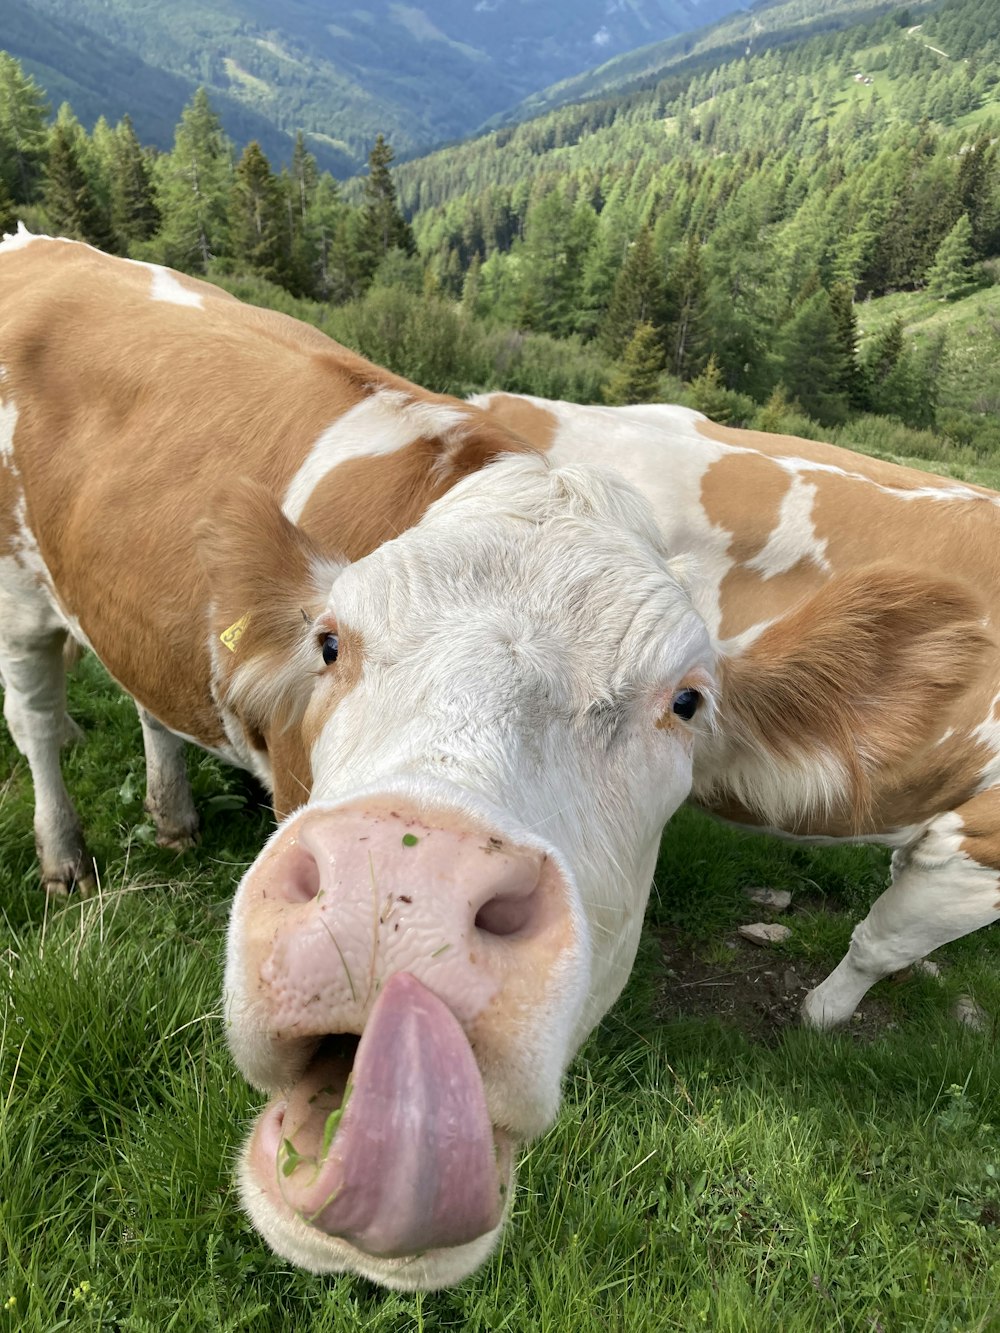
485	724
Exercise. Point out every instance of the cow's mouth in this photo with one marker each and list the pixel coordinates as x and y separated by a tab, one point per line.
386	1142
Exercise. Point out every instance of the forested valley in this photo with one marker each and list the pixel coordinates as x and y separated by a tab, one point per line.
805	239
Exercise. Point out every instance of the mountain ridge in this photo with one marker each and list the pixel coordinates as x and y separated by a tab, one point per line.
420	74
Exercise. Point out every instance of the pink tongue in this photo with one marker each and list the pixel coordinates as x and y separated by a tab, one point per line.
412	1165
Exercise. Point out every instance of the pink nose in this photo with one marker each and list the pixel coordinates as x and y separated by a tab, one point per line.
346	898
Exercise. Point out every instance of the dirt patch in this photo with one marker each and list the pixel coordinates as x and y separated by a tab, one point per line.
757	990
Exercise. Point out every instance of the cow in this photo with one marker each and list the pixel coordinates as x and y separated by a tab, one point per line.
472	681
854	605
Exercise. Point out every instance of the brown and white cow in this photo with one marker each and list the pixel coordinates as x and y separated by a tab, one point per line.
469	677
855	607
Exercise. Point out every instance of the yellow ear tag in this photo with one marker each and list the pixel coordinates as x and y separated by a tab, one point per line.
231	636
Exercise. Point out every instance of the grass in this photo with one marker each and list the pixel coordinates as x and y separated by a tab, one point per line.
699	1177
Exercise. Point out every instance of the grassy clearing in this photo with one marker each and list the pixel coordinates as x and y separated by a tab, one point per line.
698	1177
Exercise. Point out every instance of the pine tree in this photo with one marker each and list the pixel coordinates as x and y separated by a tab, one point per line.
258	233
192	188
384	227
8	209
849	383
638	296
811	362
685	295
951	273
134	215
638	375
708	393
23	134
69	198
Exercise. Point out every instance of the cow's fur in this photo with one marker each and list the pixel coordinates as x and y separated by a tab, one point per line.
856	607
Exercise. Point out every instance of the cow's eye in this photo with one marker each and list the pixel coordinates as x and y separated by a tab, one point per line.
686	703
331	646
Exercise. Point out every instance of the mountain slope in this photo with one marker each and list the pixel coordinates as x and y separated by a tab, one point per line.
343	72
767	24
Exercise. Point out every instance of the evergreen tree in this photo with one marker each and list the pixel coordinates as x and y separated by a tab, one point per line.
23	135
638	375
333	234
708	393
638	296
951	273
69	198
685	297
192	188
258	236
810	360
8	209
849	383
384	227
134	215
556	236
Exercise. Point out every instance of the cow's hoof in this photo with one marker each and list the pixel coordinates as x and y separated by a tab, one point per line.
175	841
818	1014
62	885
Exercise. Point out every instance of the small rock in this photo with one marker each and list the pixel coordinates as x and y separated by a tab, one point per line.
777	900
969	1014
923	967
731	944
792	981
764	932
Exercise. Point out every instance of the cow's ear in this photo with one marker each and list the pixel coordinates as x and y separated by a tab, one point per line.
267	581
854	680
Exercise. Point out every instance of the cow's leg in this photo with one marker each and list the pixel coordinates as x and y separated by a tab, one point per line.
168	792
944	886
32	638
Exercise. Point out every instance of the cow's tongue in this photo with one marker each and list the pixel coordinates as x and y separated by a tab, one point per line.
411	1165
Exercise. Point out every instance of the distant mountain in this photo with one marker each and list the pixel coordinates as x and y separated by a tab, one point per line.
764	24
343	72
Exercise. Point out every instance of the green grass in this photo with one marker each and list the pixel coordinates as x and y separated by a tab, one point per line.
697	1179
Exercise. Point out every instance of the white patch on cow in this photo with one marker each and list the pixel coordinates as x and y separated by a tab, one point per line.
380	424
670	477
167	288
944	491
793	538
18	240
8	423
938	894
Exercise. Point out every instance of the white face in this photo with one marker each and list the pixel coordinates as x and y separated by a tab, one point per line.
507	726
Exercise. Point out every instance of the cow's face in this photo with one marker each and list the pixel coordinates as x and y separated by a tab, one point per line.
497	711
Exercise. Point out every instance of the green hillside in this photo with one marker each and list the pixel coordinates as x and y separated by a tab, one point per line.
341	72
749	31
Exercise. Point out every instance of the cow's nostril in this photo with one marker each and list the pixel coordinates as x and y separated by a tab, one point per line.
300	877
504	915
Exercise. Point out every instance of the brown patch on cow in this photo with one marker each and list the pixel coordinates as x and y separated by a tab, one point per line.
981	829
535	424
363	502
743	493
864	671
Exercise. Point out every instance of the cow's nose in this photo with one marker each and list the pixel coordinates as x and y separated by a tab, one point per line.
344	898
456	872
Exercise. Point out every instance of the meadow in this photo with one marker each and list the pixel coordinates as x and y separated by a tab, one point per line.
714	1166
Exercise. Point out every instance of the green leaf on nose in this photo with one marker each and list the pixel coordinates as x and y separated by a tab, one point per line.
410	840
